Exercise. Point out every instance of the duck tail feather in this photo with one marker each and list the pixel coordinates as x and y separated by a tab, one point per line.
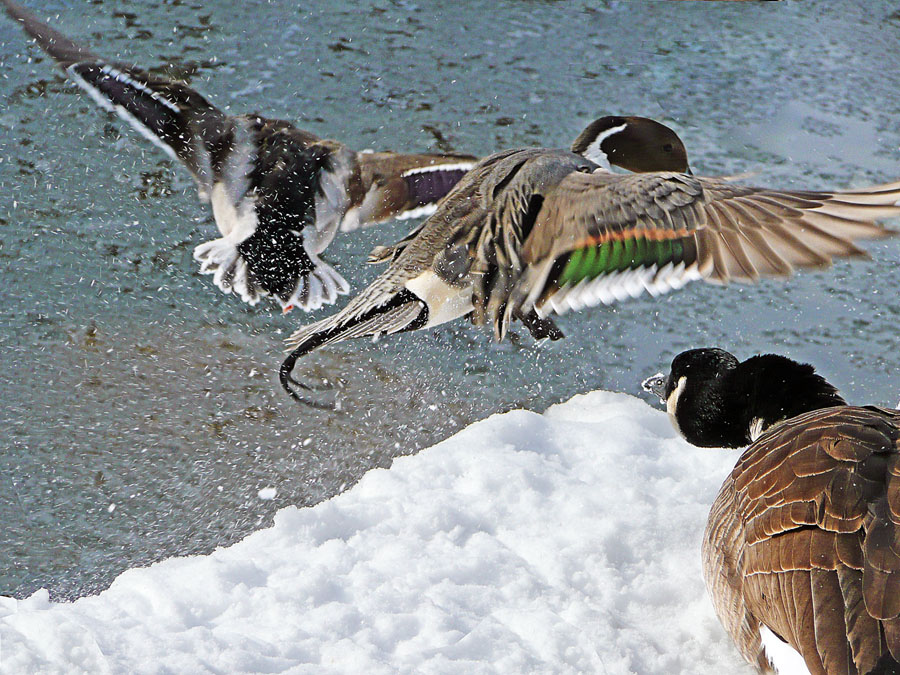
402	312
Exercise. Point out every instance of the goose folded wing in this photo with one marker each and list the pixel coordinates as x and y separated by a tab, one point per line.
817	499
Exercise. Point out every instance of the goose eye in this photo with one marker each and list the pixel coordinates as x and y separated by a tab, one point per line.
668	147
584	169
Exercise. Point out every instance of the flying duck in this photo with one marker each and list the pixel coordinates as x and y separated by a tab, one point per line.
802	545
278	194
534	232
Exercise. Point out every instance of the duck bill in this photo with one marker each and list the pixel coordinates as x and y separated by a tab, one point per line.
656	385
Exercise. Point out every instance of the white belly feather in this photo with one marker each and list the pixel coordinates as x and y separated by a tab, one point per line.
445	302
236	222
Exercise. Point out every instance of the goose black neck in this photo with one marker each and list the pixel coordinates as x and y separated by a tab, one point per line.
751	396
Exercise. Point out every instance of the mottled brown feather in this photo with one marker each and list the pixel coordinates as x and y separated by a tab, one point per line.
863	634
805	533
830	630
891	629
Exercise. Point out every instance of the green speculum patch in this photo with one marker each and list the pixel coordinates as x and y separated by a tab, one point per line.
619	255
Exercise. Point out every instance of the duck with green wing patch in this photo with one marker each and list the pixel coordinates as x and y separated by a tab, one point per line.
534	232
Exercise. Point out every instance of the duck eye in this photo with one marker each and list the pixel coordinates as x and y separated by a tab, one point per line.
668	147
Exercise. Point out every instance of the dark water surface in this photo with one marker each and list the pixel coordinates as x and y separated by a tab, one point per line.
140	413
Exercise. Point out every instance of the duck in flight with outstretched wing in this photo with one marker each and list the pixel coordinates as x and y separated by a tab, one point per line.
278	194
534	232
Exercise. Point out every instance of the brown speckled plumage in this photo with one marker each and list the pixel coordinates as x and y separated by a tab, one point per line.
804	537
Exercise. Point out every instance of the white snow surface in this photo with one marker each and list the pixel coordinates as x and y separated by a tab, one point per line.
563	542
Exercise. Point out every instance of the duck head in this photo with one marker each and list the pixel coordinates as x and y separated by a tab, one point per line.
636	144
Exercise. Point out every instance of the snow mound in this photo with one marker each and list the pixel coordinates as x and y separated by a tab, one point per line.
567	542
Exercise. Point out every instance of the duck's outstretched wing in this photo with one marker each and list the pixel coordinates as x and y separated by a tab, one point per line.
57	45
171	115
602	237
404	186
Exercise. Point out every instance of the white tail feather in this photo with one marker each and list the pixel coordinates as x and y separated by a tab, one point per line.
221	258
321	286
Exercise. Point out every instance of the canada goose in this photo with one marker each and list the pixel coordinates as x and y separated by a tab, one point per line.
802	545
278	194
530	232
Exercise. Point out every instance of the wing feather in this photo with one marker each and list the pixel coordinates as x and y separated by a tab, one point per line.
740	233
402	186
815	540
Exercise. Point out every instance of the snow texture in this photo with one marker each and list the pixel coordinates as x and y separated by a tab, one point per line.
567	542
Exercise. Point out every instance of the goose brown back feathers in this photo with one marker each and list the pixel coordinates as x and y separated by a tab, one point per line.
804	537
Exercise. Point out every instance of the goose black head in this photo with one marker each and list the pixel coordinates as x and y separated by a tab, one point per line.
633	143
715	401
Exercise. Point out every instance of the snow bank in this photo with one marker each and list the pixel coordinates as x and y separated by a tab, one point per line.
554	543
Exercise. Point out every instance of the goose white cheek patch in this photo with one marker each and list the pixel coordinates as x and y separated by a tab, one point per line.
672	402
